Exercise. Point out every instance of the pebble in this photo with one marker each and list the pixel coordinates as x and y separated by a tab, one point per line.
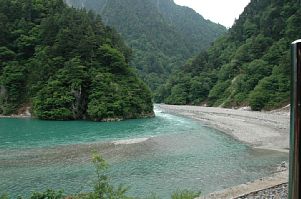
277	192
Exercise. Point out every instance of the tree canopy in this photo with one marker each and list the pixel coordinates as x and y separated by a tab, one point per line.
66	64
162	34
250	65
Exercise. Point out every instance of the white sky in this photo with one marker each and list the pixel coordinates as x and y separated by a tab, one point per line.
219	11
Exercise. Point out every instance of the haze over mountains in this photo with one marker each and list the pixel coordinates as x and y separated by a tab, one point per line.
161	34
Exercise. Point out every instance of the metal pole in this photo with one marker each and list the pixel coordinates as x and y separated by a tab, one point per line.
295	128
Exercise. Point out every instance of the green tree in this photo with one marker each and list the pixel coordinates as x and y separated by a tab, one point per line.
51	58
12	89
250	65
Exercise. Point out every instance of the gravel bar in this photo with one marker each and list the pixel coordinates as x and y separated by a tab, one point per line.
265	130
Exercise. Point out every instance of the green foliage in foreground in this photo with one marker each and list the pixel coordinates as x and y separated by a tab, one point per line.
186	194
250	65
65	64
102	188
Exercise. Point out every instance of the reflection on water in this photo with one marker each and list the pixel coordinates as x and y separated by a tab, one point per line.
157	155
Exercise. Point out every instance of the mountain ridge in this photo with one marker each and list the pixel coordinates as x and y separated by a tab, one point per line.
162	34
248	66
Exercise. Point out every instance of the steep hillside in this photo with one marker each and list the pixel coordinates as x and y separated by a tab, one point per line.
66	64
162	34
250	65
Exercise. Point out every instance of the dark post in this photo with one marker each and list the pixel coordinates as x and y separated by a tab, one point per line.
295	130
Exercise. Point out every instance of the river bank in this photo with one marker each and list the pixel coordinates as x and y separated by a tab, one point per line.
264	130
27	114
15	116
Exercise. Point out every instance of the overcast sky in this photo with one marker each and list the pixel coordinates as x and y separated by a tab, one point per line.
220	11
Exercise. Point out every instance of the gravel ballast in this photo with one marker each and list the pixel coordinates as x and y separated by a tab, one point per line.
277	192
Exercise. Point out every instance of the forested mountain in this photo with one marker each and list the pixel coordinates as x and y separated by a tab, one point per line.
250	65
162	34
66	64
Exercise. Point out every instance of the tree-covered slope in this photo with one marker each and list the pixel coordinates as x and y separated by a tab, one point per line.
250	65
66	64
162	34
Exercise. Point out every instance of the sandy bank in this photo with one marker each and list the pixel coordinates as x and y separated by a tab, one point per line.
267	130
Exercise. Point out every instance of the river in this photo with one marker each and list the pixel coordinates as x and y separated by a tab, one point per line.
158	155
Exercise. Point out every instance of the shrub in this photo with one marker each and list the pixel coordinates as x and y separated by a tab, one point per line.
185	194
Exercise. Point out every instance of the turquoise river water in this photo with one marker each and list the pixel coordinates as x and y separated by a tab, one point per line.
157	155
